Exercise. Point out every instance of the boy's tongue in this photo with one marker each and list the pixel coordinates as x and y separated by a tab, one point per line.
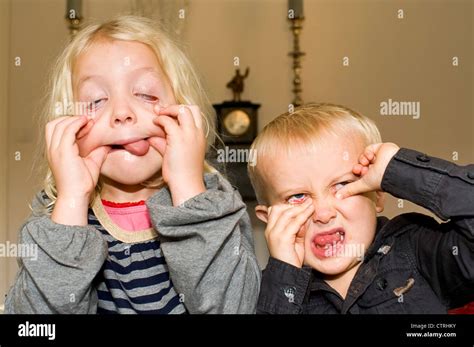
323	240
139	147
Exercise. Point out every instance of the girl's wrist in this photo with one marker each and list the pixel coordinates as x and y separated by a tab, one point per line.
182	192
70	210
74	200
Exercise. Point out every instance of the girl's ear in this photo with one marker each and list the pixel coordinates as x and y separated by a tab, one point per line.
262	213
379	201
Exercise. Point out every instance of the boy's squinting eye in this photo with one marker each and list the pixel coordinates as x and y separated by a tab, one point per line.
147	97
339	185
296	198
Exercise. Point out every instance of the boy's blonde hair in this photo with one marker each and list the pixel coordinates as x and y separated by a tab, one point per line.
178	69
304	128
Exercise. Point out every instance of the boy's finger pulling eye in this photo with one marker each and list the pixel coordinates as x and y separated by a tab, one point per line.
302	205
369	155
363	159
306	202
357	169
304	215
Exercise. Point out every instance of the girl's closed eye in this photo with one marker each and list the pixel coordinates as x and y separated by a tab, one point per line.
147	97
94	105
146	89
296	199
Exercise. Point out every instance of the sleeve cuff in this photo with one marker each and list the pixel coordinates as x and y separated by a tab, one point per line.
219	199
436	184
284	287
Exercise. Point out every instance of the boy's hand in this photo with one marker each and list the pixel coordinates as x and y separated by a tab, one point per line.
371	168
182	149
285	231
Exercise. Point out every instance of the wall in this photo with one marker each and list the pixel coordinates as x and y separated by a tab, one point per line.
402	59
407	59
4	63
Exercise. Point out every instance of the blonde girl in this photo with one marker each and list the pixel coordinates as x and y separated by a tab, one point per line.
131	218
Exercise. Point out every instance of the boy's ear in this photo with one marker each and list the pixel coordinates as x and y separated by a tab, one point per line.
262	213
379	201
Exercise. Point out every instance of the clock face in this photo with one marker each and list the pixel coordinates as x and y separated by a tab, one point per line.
237	122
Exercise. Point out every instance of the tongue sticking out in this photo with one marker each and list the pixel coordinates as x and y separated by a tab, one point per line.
139	148
330	239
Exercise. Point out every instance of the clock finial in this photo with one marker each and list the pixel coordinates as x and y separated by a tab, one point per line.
237	84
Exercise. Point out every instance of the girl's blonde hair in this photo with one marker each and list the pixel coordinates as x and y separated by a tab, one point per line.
178	69
304	128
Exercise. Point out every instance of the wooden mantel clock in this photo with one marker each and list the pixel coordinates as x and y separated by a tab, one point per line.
237	126
237	121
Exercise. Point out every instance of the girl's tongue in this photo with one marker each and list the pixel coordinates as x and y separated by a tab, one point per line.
139	147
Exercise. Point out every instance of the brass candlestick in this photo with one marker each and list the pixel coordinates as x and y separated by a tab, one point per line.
296	25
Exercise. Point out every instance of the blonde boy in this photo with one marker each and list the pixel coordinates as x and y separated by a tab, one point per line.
319	179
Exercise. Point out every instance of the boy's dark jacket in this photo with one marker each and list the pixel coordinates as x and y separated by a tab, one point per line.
415	264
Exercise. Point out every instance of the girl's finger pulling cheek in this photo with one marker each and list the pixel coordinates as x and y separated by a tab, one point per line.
158	130
161	107
85	130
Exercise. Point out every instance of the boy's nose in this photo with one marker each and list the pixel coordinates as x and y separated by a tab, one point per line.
323	212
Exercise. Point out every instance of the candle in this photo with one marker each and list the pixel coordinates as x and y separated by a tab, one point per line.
74	9
297	7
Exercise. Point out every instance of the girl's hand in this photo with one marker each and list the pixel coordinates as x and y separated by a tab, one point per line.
182	149
371	168
285	231
75	177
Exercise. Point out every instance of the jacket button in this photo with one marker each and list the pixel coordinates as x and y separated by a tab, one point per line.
290	293
470	175
381	284
423	158
384	249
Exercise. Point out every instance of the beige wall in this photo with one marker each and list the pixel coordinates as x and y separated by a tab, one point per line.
405	60
35	39
4	61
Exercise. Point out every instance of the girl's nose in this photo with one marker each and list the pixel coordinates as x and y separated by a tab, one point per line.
122	115
123	118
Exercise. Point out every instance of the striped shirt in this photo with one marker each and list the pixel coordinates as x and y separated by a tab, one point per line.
134	277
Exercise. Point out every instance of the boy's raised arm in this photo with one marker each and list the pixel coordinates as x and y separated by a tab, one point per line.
445	251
